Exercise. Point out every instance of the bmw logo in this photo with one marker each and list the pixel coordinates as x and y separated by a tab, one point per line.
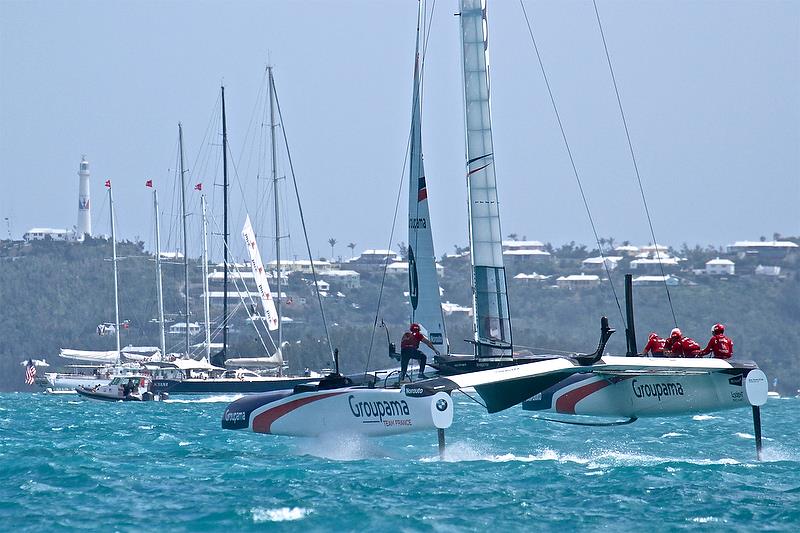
441	405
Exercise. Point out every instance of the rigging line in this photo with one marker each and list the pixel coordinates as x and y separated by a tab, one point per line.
303	222
633	159
465	393
572	161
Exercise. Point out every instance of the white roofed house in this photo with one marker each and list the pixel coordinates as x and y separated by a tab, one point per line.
578	281
720	267
765	249
348	279
652	249
763	270
599	264
626	249
537	278
56	234
372	260
519	260
513	244
401	268
647	281
647	265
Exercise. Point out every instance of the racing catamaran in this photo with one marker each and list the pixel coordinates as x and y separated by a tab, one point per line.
594	384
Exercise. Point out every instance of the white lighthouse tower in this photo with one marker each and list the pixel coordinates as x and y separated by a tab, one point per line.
84	226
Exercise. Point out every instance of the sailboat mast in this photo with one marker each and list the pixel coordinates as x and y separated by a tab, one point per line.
225	228
206	304
492	322
277	206
423	281
185	237
159	284
114	261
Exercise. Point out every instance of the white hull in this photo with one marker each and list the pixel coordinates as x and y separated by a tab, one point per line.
648	392
73	381
368	412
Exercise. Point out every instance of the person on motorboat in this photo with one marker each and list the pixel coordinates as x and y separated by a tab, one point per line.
655	345
409	349
720	344
679	346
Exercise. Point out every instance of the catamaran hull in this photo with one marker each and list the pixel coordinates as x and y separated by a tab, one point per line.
367	412
637	396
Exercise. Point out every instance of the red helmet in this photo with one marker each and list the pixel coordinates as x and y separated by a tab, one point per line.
717	329
415	327
676	333
653	335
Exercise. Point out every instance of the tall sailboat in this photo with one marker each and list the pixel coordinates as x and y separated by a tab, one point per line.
98	366
205	380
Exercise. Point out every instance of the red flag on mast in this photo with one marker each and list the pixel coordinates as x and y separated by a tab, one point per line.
198	187
148	183
108	183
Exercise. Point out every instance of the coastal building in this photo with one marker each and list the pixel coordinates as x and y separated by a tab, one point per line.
401	268
513	244
524	259
600	264
536	278
348	279
626	249
762	249
654	249
578	281
650	281
56	234
763	270
179	328
720	267
370	260
655	266
299	265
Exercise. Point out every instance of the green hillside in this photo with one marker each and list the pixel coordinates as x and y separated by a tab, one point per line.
53	295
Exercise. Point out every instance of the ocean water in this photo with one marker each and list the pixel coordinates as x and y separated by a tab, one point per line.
72	464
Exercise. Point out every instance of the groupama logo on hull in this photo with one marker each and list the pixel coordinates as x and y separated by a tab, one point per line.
375	411
657	390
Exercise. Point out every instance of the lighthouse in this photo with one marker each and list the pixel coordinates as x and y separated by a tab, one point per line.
84	226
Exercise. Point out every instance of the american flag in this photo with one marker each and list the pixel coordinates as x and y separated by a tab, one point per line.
30	373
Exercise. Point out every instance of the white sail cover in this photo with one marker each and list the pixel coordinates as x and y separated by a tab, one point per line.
92	356
260	275
492	323
273	361
423	282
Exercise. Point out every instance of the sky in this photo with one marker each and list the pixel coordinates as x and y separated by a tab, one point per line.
710	89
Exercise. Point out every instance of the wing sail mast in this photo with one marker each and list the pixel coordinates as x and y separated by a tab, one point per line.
492	322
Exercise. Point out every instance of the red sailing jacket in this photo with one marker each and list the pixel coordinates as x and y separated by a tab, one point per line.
685	347
721	345
411	339
655	346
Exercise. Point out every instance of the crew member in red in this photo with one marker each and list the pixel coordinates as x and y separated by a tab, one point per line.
409	349
720	344
655	345
679	346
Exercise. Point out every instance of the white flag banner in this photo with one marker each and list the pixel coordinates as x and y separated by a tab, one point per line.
260	275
